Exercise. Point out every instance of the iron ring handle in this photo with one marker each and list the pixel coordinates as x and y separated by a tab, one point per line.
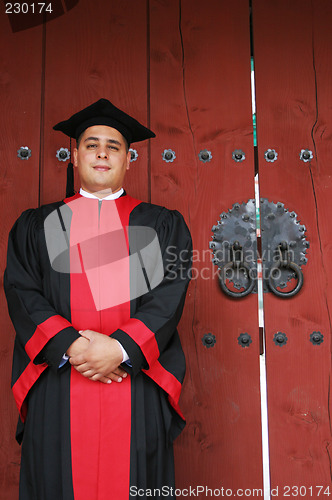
299	277
222	280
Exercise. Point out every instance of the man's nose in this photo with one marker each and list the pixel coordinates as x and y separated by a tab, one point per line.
102	152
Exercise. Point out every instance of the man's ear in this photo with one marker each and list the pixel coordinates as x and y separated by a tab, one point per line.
128	160
75	157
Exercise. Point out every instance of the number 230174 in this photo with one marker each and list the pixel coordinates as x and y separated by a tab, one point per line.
28	8
306	491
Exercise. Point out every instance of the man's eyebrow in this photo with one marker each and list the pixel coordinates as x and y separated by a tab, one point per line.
112	141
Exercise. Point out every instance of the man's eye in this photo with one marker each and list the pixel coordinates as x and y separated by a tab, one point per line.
114	148
89	146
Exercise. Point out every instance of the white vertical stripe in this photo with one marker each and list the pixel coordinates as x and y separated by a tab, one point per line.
262	360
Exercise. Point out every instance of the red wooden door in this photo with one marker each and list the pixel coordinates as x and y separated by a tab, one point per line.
200	100
293	86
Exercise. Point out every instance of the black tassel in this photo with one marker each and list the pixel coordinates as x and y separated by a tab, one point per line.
70	176
70	180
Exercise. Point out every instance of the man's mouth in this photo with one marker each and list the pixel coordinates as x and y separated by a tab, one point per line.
101	168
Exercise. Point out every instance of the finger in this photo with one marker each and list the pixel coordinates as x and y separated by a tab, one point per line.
84	368
97	377
115	377
120	372
105	380
77	360
88	334
101	378
86	373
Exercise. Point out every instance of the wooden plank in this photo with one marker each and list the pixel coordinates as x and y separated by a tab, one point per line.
291	39
200	99
85	62
20	62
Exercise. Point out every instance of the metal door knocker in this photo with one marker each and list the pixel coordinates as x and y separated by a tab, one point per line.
284	248
238	271
284	261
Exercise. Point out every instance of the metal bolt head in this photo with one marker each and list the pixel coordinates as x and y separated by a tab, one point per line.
208	340
133	154
270	155
316	338
238	155
306	155
63	154
280	339
168	155
24	153
205	155
244	340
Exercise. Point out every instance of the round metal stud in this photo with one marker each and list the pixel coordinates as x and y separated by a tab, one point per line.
306	155
168	155
244	340
238	155
63	154
280	339
24	153
133	154
316	338
205	156
209	340
271	155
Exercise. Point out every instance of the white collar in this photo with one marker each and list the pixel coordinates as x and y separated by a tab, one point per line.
112	196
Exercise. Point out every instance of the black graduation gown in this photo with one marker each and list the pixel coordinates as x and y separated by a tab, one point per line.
87	264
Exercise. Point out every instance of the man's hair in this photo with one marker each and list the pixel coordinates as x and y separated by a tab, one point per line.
78	140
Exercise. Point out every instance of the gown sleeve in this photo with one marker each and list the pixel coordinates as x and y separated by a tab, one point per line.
35	320
150	331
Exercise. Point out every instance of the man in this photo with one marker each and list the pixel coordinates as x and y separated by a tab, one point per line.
99	278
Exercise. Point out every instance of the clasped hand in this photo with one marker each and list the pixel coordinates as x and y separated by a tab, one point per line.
97	357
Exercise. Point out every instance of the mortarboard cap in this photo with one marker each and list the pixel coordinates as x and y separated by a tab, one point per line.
103	112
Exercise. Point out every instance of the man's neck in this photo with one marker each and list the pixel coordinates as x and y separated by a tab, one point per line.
102	195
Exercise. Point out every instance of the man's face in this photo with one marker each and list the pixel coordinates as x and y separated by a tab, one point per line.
101	159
